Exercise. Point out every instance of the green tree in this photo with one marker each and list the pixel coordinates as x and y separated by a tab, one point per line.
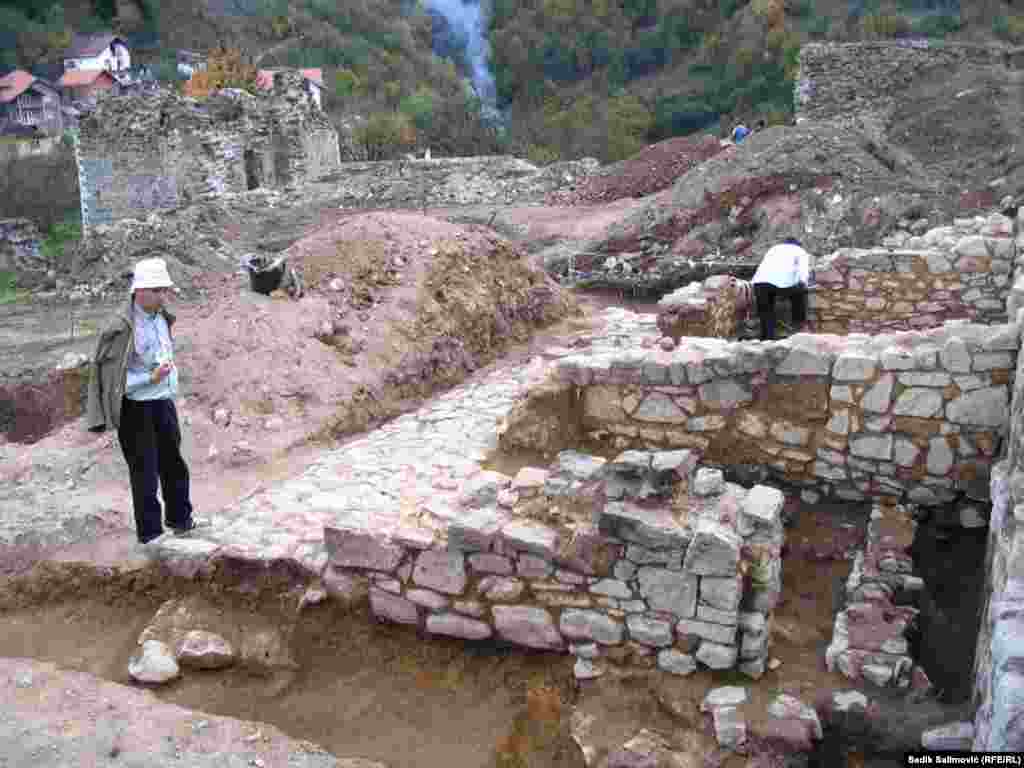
385	135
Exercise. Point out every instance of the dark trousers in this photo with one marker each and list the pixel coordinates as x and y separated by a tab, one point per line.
764	297
151	441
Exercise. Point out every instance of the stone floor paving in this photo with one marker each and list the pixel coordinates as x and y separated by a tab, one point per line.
409	470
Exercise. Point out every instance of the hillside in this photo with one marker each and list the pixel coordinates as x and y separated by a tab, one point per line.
571	78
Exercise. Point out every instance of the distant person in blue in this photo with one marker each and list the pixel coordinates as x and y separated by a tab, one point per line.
739	133
785	270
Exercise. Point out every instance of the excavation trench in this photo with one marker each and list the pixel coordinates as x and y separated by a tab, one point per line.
364	688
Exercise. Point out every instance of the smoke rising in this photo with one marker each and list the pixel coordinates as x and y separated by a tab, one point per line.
466	20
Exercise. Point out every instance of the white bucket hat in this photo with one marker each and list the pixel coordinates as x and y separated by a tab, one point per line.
151	273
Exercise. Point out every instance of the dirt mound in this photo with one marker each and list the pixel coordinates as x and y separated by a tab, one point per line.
651	170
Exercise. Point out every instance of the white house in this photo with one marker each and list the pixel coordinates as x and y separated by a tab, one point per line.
102	51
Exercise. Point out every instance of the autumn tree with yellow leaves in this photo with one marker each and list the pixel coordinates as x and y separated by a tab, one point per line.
225	68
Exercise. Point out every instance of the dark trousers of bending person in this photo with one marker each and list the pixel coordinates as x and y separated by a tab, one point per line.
765	295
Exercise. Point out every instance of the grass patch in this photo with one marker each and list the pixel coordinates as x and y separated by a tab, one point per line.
9	286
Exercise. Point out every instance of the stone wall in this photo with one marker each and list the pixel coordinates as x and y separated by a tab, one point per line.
963	271
148	151
20	242
414	183
668	566
917	415
838	80
999	660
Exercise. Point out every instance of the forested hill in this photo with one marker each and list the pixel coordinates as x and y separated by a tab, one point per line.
553	78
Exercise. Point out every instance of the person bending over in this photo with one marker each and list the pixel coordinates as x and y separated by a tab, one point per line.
785	270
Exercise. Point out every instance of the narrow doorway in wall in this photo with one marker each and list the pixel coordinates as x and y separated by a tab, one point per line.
252	170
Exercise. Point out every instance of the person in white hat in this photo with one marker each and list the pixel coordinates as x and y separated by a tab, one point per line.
132	389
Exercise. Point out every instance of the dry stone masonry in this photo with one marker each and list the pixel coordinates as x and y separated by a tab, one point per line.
916	415
678	569
870	639
20	242
963	271
148	151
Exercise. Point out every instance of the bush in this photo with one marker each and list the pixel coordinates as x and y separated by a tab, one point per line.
884	25
938	25
386	135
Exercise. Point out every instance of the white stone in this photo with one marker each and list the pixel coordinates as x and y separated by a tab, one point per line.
918	401
854	365
590	625
763	505
877	398
612	588
586	669
721	592
786	706
154	663
646	631
878	674
676	662
724	696
454	625
205	650
955	737
714	550
716	655
955	356
730	727
872	447
980	408
716	633
940	456
527	625
708	482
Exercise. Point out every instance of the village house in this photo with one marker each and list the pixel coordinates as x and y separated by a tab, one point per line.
312	82
28	102
190	62
100	51
87	84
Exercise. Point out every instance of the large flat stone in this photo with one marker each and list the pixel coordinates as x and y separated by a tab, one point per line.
714	551
716	633
676	662
590	625
392	607
441	570
674	592
360	548
531	537
716	655
980	408
454	625
918	401
474	530
762	506
721	592
650	528
527	625
647	631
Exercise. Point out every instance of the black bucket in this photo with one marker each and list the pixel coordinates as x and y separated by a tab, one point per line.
265	277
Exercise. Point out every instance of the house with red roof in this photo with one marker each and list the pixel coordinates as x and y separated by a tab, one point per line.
28	102
87	84
313	81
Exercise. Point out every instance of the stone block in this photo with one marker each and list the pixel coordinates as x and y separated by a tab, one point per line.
647	631
361	548
878	398
723	696
534	538
955	356
725	394
654	528
980	408
533	567
877	447
730	727
918	402
485	562
854	365
474	531
444	571
590	625
427	599
669	591
721	592
660	408
481	488
714	551
392	607
612	588
789	707
716	633
762	506
528	626
708	482
717	655
454	625
716	615
956	737
676	662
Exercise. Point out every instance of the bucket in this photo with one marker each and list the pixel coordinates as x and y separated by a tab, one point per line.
265	277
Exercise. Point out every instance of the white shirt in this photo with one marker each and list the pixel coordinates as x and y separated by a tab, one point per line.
784	266
151	346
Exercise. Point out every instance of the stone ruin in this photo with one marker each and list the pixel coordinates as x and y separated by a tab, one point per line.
646	559
20	248
147	151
